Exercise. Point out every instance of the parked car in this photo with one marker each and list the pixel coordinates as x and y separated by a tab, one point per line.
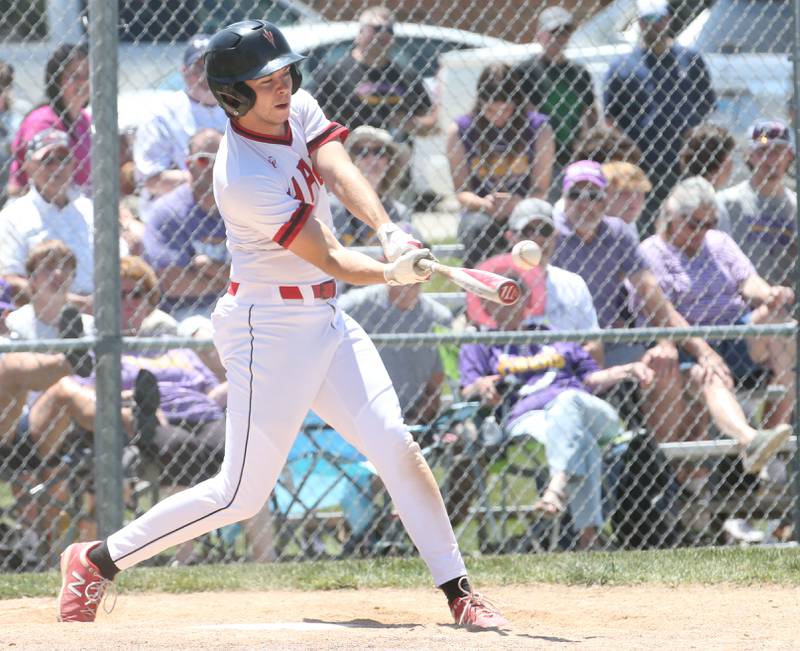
745	43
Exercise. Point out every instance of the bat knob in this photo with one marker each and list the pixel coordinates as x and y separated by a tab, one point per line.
509	292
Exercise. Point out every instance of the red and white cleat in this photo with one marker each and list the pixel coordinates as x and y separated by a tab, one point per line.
82	585
476	611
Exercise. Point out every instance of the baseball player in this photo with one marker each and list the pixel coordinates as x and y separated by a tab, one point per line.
285	344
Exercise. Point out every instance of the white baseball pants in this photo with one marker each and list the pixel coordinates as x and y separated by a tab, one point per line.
284	357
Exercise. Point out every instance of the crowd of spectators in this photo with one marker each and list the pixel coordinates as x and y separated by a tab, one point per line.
629	196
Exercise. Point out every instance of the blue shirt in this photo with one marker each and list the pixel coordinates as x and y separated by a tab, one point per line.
656	98
177	230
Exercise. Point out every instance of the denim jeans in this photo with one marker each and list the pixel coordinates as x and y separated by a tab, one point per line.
572	428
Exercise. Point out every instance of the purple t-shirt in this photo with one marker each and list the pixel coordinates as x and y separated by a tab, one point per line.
176	231
500	169
604	264
79	137
183	381
545	371
705	288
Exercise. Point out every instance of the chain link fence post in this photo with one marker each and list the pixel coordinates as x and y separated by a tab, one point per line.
796	86
103	40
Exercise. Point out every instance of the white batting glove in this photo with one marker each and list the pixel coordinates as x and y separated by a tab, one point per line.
395	241
404	270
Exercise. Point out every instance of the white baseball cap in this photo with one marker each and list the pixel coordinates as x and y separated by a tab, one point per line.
653	9
554	18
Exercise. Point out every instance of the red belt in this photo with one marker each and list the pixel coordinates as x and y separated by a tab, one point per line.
292	292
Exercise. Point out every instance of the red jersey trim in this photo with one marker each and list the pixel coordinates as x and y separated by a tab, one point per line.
334	131
286	234
285	139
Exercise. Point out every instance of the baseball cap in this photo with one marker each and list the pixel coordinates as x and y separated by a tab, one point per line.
769	132
653	9
584	170
46	141
528	211
195	48
554	18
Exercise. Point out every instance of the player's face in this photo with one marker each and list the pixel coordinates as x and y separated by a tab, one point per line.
273	97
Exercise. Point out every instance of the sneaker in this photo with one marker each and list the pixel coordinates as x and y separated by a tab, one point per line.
70	326
147	400
474	610
82	585
741	531
764	445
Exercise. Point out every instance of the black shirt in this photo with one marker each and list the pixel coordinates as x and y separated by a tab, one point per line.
563	91
355	94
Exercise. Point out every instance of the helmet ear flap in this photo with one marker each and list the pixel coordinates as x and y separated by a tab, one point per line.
236	99
297	78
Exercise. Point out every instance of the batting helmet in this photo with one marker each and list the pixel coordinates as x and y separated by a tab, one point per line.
250	49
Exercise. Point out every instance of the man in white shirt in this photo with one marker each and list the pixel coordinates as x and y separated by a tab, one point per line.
52	209
162	140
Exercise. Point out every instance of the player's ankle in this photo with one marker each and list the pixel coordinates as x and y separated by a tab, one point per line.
101	558
456	588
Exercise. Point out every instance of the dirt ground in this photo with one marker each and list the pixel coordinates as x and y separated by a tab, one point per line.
544	617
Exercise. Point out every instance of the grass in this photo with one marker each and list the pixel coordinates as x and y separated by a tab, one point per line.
673	567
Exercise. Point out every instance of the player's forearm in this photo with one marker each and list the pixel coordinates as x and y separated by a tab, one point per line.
353	267
357	195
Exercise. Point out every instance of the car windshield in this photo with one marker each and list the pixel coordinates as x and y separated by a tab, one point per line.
757	26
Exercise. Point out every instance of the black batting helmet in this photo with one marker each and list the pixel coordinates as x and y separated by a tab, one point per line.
247	50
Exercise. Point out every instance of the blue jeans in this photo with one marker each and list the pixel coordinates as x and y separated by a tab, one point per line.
573	427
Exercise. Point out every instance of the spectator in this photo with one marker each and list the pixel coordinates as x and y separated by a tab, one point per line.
761	210
369	87
141	296
603	144
548	396
605	254
67	91
626	193
708	152
49	210
50	271
9	124
184	237
656	94
416	370
711	282
162	139
383	162
567	302
499	154
557	87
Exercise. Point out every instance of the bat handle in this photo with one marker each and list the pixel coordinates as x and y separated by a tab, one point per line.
426	265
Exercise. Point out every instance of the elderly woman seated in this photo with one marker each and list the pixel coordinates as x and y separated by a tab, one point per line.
711	282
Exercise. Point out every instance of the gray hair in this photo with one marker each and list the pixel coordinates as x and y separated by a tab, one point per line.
685	198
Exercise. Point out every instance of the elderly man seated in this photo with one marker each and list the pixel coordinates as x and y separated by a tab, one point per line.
710	281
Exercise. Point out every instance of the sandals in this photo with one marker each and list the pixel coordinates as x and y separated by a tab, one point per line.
550	505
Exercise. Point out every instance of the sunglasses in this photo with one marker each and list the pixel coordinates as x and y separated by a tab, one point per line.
386	28
585	195
363	152
764	133
54	158
202	159
136	294
544	229
700	225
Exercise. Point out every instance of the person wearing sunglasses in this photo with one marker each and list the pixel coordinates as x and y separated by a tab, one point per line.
369	87
761	210
556	86
162	138
184	238
712	282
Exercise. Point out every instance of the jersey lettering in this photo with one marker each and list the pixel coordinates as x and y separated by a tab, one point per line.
309	177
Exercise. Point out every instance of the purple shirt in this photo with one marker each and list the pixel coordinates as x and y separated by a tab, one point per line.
176	231
604	263
704	288
500	168
545	371
183	380
79	137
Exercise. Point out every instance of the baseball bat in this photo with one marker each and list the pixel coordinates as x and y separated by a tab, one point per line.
488	285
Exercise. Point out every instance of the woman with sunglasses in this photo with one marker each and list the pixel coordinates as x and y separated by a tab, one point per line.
499	154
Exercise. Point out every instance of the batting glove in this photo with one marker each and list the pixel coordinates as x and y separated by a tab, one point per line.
395	241
404	270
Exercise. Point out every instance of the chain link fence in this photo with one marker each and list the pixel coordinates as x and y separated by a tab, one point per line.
641	395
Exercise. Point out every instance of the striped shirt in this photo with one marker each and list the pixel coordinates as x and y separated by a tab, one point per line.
703	288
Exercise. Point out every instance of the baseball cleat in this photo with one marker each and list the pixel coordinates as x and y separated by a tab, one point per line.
82	585
476	611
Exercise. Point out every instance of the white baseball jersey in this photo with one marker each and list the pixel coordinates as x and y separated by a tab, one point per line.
266	189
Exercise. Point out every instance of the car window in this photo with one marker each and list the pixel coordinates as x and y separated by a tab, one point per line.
757	26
